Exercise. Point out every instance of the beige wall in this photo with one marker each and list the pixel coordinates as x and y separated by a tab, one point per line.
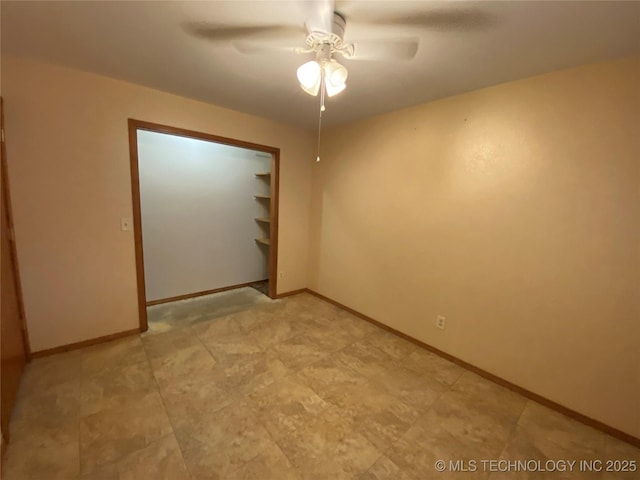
514	211
68	154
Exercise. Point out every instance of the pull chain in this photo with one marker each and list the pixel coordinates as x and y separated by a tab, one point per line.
322	109
319	129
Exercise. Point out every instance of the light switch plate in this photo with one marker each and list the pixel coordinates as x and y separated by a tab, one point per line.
125	224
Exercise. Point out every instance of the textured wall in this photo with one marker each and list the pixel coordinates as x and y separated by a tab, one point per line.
514	211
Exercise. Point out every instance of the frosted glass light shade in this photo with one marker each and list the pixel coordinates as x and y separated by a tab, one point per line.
334	90
310	76
335	77
335	73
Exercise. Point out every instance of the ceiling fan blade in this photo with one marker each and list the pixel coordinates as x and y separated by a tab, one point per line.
252	48
225	33
319	15
450	19
399	49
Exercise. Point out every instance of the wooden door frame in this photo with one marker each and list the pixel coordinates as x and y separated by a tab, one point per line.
6	192
13	254
134	126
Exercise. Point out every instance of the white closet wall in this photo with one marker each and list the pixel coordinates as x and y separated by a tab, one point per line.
198	210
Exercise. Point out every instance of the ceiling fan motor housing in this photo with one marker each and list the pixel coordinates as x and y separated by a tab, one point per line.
318	39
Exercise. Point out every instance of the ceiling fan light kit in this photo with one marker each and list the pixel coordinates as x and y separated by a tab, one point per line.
313	74
324	75
325	71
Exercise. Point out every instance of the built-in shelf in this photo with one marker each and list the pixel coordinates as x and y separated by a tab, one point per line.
267	198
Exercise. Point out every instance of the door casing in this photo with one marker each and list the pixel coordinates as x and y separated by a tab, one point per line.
14	336
134	126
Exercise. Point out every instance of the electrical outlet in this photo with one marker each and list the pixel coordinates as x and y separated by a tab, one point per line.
441	322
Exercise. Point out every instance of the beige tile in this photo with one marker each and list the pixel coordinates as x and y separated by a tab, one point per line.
42	374
269	463
328	447
242	366
391	344
159	345
355	326
111	434
206	462
38	453
311	324
228	349
486	396
261	315
160	460
307	316
615	474
286	405
299	351
417	391
113	387
550	426
364	359
377	415
275	331
336	330
238	323
329	379
615	449
223	441
114	354
381	428
104	472
524	447
188	362
478	413
307	306
220	327
234	423
477	430
189	401
384	469
329	338
417	451
429	364
50	408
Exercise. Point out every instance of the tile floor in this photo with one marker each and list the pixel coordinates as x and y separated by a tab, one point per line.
289	389
167	316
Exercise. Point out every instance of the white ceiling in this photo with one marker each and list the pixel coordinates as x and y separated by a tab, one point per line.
463	46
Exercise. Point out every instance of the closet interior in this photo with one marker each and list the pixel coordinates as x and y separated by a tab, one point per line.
208	216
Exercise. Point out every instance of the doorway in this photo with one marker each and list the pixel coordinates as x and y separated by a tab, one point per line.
14	340
231	184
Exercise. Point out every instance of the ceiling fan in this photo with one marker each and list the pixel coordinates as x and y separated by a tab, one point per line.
324	35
